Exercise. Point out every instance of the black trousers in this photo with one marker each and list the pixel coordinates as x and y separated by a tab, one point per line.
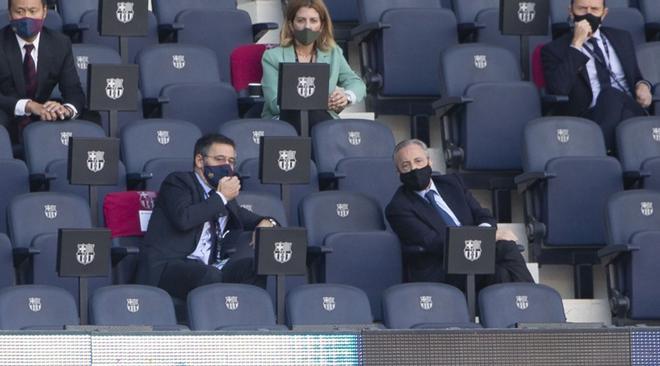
612	107
181	276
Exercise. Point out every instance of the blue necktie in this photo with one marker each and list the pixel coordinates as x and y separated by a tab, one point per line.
430	196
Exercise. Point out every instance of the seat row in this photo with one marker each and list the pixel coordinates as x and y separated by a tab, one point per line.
310	307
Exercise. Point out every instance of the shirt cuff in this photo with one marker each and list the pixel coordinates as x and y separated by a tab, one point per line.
224	200
485	224
350	96
73	109
645	83
19	109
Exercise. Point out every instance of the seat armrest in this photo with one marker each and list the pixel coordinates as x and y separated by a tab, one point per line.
119	253
526	180
413	249
554	99
260	29
610	253
74	27
446	104
23	253
365	31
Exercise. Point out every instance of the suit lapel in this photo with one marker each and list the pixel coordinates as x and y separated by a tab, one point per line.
288	54
323	57
617	44
13	52
426	212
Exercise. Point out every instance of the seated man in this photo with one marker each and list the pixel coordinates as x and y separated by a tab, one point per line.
422	209
195	220
596	67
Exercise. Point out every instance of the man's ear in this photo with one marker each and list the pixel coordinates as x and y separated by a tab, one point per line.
431	163
605	11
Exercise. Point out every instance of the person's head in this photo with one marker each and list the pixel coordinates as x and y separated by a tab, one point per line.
412	161
310	15
580	9
214	150
27	17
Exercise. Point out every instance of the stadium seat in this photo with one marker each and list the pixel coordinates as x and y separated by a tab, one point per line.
369	260
638	147
6	151
246	134
360	174
425	306
344	15
6	262
328	305
152	140
633	236
398	62
72	10
15	182
651	12
127	305
245	66
647	58
159	169
566	182
226	306
628	19
466	15
167	10
36	307
506	305
263	204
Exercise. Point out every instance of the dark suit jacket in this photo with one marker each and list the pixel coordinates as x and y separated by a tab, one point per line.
55	65
565	69
417	223
178	219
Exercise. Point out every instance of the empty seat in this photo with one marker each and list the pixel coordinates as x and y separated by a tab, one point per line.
225	306
647	58
15	182
6	262
263	204
167	10
5	144
628	19
651	12
72	10
425	306
36	307
508	304
246	134
359	175
159	169
328	305
638	144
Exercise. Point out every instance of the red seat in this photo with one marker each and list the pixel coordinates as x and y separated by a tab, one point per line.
245	63
537	68
122	212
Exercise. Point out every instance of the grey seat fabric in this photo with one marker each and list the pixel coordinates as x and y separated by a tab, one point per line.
36	307
507	304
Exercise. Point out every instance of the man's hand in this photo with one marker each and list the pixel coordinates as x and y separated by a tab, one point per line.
262	223
229	187
338	100
643	94
505	234
44	113
581	33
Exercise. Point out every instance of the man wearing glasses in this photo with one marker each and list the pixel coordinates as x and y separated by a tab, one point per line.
195	220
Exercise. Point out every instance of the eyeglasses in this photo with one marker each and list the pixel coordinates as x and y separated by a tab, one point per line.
221	159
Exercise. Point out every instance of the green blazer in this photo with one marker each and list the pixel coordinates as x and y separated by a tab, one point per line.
340	75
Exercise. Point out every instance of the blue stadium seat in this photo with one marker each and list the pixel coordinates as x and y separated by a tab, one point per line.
263	204
328	305
638	147
633	235
159	169
133	305
466	15
651	12
344	14
647	58
6	262
36	307
226	306
71	12
361	174
425	306
167	10
506	305
15	182
628	19
6	151
246	134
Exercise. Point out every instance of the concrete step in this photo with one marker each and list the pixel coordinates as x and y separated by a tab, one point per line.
587	311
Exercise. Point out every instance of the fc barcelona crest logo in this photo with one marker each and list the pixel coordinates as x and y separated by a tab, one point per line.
343	210
287	160
521	302
354	137
306	86
647	208
426	302
179	61
256	136
85	254
563	135
282	252
146	200
526	12
65	136
34	304
125	12
133	305
114	88
50	211
656	134
82	62
231	302
95	161
163	137
329	303
480	61
472	250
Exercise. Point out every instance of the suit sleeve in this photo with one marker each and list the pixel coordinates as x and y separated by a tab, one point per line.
69	83
561	71
348	79
270	65
249	219
410	229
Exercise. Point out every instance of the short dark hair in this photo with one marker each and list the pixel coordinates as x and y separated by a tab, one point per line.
43	2
204	143
572	1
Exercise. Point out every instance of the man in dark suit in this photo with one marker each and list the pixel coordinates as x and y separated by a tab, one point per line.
597	68
33	60
195	220
422	209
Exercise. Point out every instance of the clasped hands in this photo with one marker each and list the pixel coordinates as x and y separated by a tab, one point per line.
49	111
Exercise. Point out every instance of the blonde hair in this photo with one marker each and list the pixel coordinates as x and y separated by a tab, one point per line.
326	40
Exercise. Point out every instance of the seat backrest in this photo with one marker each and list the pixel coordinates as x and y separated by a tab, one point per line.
160	168
466	64
650	10
6	262
629	19
335	140
343	10
504	305
221	305
131	305
559	8
167	10
370	11
647	58
6	151
231	28
85	54
410	304
631	212
330	212
166	64
246	134
638	139
46	141
156	139
466	11
36	306
263	204
327	304
245	65
551	137
359	175
72	10
47	212
15	181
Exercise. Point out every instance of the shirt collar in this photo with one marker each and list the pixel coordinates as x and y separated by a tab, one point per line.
22	42
432	187
204	185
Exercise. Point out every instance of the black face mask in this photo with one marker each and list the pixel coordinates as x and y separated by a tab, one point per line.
418	179
213	174
593	20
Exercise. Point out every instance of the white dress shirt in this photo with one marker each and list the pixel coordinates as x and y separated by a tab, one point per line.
204	246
